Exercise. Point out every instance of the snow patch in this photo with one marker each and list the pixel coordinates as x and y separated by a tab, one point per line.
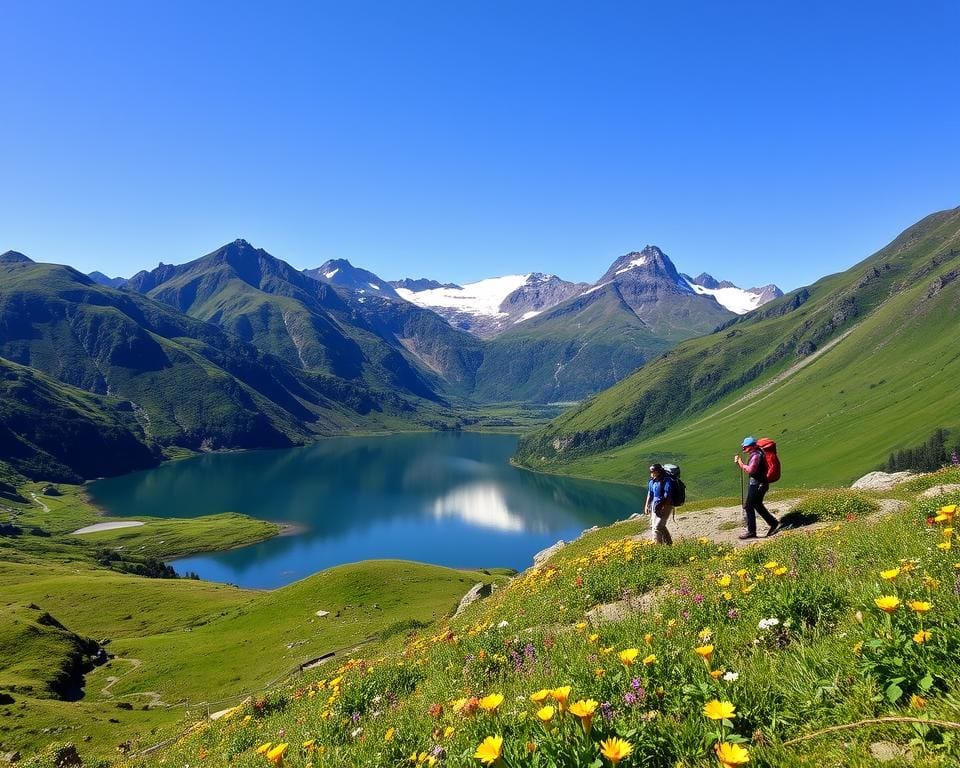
527	315
735	299
329	275
633	265
480	298
375	287
595	288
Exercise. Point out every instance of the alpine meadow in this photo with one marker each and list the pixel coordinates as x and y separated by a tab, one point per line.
501	385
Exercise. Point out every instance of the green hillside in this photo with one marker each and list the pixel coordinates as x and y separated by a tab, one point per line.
306	323
184	382
569	352
840	373
59	432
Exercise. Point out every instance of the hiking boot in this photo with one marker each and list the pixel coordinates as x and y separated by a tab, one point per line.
773	529
745	536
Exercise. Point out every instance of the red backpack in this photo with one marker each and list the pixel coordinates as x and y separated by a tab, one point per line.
771	462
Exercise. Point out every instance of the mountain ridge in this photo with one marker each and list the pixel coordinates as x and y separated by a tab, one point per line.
671	406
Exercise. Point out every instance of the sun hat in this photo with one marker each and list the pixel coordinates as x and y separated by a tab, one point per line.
748	441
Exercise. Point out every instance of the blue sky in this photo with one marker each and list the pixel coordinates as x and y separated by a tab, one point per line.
460	140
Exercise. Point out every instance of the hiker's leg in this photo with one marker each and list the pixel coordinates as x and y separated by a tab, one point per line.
661	534
748	511
654	522
758	504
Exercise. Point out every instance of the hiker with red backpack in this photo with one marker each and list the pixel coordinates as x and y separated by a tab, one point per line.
763	468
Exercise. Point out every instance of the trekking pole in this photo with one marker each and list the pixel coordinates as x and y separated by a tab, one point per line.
740	475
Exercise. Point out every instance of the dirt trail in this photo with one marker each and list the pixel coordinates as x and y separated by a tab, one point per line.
725	524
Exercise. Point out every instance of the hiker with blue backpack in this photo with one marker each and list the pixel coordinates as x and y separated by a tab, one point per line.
659	503
763	468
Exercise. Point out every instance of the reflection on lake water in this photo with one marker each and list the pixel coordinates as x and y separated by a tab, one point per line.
446	498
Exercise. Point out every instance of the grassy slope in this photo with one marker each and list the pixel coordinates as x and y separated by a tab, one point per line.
49	429
833	658
887	384
183	640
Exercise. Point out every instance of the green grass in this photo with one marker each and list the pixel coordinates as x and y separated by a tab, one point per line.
831	658
179	644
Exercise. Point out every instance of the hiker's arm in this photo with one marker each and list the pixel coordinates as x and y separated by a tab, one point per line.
646	504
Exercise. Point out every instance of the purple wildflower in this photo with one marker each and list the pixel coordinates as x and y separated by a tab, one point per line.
733	613
629	698
606	709
698	599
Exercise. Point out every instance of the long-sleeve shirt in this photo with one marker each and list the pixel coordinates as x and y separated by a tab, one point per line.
756	468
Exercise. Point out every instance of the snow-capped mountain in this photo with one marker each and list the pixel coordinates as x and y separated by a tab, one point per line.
489	307
342	274
739	300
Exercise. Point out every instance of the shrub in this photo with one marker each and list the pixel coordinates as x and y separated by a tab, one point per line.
836	505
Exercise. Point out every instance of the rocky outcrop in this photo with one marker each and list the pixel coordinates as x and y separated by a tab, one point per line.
880	481
940	490
477	592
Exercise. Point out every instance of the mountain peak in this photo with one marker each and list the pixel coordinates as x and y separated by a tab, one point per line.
650	264
341	273
14	257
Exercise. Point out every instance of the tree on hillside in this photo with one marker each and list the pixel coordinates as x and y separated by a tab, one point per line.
929	457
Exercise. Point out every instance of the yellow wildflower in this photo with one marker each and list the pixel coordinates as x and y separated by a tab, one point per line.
705	652
628	655
491	702
545	714
944	545
388	736
560	695
780	571
890	575
615	749
648	660
490	750
922	636
584	709
919	606
724	581
275	755
540	696
887	603
719	710
264	748
917	702
771	565
731	755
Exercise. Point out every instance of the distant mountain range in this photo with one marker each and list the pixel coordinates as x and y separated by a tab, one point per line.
239	349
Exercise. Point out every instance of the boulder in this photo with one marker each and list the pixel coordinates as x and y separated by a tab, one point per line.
477	592
940	490
543	555
880	481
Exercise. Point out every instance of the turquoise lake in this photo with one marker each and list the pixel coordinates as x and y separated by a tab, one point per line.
446	498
